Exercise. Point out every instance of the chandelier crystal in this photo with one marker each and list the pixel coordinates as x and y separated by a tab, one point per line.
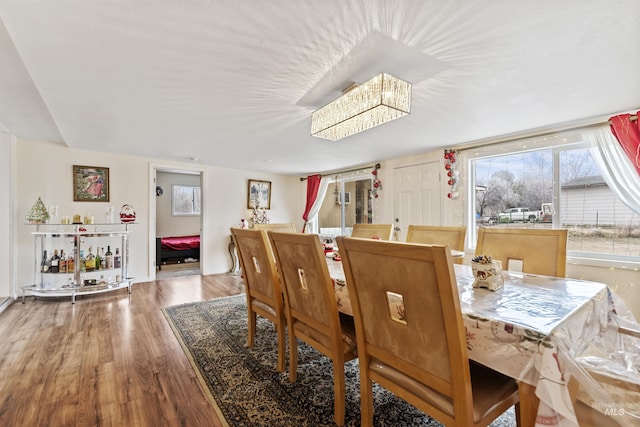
380	100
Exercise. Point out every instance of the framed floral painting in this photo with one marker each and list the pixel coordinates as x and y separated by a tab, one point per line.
90	184
259	194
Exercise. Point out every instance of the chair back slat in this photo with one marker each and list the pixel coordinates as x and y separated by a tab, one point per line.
533	250
371	231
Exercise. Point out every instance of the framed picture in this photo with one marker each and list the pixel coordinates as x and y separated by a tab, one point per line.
90	184
259	194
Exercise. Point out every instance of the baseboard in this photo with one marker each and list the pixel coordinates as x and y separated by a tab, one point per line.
5	303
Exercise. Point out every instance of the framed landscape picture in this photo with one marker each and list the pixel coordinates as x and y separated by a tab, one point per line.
259	194
90	184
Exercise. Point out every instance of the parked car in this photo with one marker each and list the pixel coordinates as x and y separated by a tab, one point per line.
545	214
520	215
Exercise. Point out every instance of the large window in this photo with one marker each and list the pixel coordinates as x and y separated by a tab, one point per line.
347	201
558	185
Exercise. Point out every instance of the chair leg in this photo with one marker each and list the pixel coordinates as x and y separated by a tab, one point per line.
251	336
281	347
366	396
339	392
293	356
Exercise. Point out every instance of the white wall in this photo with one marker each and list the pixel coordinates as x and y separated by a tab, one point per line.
7	216
45	170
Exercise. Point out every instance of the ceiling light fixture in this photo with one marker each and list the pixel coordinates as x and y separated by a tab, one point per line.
361	107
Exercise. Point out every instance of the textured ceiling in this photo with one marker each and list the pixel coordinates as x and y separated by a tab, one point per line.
234	83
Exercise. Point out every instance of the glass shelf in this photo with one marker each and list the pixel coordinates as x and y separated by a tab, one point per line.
51	236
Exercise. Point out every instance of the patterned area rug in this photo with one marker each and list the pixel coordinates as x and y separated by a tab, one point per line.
249	391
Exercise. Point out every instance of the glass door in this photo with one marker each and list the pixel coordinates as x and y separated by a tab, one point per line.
347	201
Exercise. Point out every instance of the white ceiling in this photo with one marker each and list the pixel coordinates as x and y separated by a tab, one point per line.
234	83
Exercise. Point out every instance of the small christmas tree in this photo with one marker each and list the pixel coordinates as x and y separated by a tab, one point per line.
38	213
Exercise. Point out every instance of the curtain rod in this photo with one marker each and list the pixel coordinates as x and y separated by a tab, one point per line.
376	166
633	118
539	132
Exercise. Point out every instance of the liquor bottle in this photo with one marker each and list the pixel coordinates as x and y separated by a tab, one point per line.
109	257
54	263
70	264
103	260
63	262
98	259
90	261
117	260
82	261
44	264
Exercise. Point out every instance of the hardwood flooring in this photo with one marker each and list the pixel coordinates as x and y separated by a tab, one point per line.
109	360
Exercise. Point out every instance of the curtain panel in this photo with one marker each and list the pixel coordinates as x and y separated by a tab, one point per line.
616	167
313	185
627	132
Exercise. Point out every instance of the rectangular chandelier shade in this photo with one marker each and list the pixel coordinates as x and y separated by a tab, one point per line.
380	100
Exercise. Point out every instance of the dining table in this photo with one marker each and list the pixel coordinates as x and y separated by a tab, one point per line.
531	330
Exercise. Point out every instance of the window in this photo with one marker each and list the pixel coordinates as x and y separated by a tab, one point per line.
186	200
552	183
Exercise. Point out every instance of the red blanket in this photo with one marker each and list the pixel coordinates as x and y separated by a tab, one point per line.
180	243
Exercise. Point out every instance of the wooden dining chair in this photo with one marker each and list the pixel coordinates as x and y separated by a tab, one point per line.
372	231
623	390
438	235
411	337
530	250
285	226
311	309
262	285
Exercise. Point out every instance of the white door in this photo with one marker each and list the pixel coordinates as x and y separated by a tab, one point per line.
417	197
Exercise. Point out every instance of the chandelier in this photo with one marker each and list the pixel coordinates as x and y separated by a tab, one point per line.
361	107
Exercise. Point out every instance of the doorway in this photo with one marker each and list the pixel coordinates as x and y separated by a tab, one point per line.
177	227
348	201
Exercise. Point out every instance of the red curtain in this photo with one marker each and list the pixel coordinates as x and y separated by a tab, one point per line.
627	132
313	183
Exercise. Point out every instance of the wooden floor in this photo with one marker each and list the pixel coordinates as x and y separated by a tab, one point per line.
109	360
